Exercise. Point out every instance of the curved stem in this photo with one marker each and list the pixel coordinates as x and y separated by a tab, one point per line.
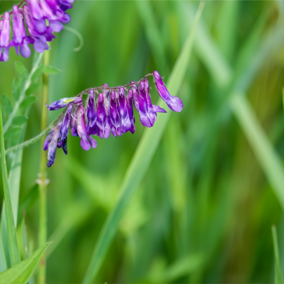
21	4
36	138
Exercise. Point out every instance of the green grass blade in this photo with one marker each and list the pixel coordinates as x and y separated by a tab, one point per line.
3	262
226	25
278	274
141	160
152	33
265	154
11	231
21	272
182	267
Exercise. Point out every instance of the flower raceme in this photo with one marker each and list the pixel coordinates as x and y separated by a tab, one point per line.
110	113
34	15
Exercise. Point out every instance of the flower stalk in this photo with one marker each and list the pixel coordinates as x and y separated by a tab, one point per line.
43	179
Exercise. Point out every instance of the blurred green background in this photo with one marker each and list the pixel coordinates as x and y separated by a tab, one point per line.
204	209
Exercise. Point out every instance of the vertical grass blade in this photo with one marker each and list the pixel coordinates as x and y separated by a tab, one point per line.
267	158
11	231
278	275
43	184
141	160
156	44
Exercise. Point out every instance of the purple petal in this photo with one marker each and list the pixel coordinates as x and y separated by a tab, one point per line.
74	119
60	103
91	114
85	143
101	114
114	115
93	142
66	123
143	107
157	108
5	32
174	103
18	25
25	50
124	118
56	26
129	107
35	9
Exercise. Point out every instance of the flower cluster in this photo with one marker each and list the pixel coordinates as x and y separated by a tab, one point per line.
33	15
111	112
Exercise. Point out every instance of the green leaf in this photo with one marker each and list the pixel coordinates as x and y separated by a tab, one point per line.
13	131
7	104
141	160
50	69
16	89
21	272
11	231
21	69
32	88
278	274
27	102
20	120
36	73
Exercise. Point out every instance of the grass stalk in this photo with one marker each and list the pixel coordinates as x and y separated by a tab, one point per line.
43	184
11	231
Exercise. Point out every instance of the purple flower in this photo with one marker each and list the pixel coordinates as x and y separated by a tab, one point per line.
20	38
123	112
129	107
91	113
107	126
114	115
50	144
112	112
4	37
63	144
86	140
140	103
64	103
174	103
66	123
74	120
101	115
42	17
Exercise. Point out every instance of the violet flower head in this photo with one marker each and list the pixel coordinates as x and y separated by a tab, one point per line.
41	17
174	103
110	112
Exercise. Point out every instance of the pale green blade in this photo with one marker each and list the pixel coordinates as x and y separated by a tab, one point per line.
21	272
278	275
11	231
267	158
141	160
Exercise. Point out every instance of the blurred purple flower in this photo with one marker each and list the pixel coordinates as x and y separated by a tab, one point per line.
42	18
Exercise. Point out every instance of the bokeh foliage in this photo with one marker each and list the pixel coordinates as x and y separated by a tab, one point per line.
204	209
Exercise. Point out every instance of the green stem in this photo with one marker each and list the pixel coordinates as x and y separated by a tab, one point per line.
11	231
43	185
22	95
